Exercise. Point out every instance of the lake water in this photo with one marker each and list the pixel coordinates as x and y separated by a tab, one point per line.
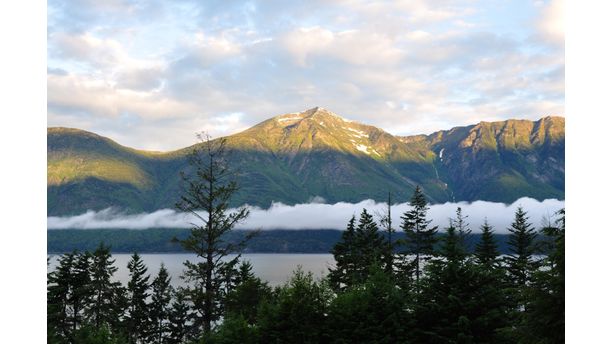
276	268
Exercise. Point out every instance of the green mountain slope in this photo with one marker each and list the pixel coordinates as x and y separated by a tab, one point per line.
293	158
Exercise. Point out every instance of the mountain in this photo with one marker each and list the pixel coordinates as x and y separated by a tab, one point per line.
295	158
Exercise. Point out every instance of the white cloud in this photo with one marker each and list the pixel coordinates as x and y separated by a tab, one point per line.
318	215
410	67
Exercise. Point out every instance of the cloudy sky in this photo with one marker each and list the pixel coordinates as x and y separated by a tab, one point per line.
150	74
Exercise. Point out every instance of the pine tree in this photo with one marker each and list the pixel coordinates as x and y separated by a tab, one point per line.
344	251
179	318
545	311
459	301
390	244
138	326
207	194
106	304
520	264
159	309
420	239
243	302
369	246
58	295
463	230
486	250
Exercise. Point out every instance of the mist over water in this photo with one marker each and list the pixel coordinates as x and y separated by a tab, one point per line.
318	215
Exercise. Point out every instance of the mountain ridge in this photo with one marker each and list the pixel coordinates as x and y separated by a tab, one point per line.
294	157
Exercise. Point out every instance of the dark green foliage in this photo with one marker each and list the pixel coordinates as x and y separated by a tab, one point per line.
180	317
461	298
345	255
459	302
463	230
107	303
360	248
544	318
296	314
374	312
420	239
242	302
137	319
159	309
486	252
521	241
369	245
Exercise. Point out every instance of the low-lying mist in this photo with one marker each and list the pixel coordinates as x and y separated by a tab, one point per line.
319	215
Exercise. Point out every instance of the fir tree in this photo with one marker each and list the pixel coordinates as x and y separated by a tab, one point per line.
520	263
106	303
159	309
390	244
243	302
486	252
344	251
544	320
207	194
420	239
58	296
179	319
369	246
138	325
463	229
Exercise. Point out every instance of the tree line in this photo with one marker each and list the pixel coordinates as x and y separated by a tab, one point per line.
425	287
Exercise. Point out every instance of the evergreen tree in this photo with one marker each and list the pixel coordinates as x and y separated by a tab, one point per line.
297	313
344	251
138	326
369	246
106	303
390	243
420	239
486	252
459	301
374	313
243	302
544	320
159	309
520	264
463	229
58	296
179	319
207	194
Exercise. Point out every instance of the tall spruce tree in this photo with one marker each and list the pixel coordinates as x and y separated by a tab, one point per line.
520	264
420	238
159	309
344	251
390	243
486	251
544	320
369	245
459	301
463	230
107	297
179	318
59	291
138	325
207	193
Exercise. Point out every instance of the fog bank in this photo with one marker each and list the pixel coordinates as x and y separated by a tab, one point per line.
317	215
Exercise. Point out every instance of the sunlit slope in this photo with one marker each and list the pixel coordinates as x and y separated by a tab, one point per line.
293	158
503	161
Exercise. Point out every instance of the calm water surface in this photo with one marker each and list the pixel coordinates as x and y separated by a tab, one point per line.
276	268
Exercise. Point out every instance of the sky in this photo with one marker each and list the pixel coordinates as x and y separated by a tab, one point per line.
151	74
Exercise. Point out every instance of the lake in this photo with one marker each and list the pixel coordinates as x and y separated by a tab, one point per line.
276	268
